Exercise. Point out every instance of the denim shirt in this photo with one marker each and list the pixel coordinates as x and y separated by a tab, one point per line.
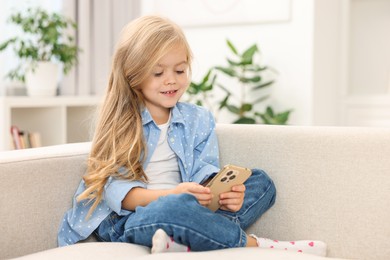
192	138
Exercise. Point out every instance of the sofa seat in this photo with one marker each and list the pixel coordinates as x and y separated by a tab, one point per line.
104	250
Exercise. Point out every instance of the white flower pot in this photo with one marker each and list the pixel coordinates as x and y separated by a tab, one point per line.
43	80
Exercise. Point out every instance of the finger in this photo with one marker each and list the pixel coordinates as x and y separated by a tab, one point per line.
230	202
203	196
197	188
231	208
205	202
231	195
239	188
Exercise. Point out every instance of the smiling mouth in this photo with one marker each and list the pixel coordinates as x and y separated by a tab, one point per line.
169	92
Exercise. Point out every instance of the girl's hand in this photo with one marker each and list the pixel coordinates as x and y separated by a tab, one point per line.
202	194
233	200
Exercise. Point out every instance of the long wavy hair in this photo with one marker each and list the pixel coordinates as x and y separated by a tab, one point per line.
118	141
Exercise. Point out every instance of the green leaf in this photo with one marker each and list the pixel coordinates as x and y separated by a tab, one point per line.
282	118
233	63
260	99
253	79
247	56
269	117
224	89
245	120
213	80
228	71
206	87
256	68
269	111
246	107
269	83
223	103
231	46
265	119
5	44
193	89
203	86
206	77
233	109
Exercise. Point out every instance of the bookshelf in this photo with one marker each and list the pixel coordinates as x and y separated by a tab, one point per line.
59	120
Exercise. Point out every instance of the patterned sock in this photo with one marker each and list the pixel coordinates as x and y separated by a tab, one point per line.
164	243
303	246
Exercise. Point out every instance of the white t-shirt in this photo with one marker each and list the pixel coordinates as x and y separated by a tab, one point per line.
163	169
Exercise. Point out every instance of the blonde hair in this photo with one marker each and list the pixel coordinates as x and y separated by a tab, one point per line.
118	139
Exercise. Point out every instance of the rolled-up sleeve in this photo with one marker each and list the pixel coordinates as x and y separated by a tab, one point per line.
116	190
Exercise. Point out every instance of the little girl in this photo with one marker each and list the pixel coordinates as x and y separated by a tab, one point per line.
151	154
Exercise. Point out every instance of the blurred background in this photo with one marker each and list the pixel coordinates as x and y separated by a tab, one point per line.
330	59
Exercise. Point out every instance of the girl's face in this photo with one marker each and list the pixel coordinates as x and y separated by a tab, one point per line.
168	81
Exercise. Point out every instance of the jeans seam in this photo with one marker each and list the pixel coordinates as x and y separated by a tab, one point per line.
113	225
243	239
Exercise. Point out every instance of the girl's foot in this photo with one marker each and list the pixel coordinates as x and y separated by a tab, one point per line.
164	243
303	246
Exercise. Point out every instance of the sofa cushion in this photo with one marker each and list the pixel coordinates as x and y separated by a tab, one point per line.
92	250
102	250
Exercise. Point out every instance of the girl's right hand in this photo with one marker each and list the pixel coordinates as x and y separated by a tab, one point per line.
202	194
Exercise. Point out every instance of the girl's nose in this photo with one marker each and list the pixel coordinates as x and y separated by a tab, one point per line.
170	80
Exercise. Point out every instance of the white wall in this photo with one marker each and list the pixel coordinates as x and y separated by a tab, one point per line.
286	46
311	50
327	62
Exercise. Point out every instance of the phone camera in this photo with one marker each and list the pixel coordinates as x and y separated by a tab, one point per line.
232	177
229	173
223	179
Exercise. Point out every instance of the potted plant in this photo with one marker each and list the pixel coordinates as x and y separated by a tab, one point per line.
41	49
249	78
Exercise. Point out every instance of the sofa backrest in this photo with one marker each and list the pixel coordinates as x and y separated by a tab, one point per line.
332	183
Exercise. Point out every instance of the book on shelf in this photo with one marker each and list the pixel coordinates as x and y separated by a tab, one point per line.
24	139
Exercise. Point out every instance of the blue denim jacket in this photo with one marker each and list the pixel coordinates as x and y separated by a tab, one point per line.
192	138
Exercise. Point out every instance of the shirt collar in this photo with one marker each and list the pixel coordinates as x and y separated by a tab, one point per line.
176	116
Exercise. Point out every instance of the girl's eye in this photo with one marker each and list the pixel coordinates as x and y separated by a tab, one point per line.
180	71
158	74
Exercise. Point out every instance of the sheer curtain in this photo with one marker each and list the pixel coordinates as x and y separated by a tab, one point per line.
99	24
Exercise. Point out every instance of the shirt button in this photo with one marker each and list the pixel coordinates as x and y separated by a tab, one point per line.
172	139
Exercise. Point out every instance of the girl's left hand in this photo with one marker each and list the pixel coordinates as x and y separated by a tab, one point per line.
233	200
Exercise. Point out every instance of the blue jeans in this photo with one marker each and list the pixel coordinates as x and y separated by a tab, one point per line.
189	223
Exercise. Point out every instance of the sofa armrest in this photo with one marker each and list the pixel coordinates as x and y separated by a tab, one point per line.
36	189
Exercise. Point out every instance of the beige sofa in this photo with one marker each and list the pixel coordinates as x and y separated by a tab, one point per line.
333	185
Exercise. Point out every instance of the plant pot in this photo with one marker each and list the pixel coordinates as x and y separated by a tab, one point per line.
43	80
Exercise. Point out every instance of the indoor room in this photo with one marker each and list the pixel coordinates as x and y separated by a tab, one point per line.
297	91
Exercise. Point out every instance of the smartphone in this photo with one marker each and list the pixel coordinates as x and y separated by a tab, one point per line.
228	177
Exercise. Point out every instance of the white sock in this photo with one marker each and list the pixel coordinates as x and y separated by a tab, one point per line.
303	246
164	243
